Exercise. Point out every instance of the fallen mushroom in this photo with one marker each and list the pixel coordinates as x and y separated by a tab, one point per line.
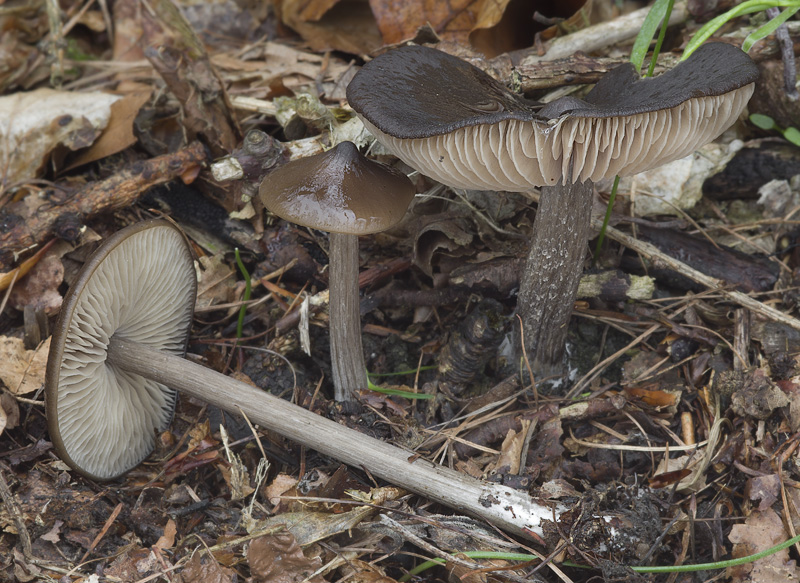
344	193
456	124
115	361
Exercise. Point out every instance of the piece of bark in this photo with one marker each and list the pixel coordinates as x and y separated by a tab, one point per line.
745	272
751	168
31	221
578	69
180	58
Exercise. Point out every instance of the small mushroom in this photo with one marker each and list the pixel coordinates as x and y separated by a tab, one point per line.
346	194
116	359
456	124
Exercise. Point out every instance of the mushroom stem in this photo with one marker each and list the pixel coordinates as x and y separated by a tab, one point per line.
511	509
347	352
554	267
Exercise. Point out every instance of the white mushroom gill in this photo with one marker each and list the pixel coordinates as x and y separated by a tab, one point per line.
107	417
538	154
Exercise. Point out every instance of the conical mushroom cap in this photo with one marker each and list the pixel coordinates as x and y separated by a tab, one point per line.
339	191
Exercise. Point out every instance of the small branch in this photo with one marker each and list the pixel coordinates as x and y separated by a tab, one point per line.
23	226
651	252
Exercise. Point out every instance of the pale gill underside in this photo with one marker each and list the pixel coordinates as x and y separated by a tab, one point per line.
108	418
515	155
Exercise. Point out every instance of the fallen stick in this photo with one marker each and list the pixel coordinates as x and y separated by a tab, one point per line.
652	253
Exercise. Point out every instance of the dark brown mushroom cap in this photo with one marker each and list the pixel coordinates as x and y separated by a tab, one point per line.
714	69
419	92
485	137
339	191
140	285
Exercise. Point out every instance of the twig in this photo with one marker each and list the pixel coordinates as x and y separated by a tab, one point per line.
654	254
102	532
602	35
787	54
16	514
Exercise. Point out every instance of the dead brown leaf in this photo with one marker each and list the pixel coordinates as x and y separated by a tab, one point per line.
23	370
399	20
9	412
347	26
205	569
761	531
37	122
278	558
168	538
118	134
39	289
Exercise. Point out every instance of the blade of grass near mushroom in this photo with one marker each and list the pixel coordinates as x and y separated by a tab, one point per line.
456	124
116	358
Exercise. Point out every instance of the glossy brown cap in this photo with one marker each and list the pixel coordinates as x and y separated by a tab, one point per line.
339	191
139	285
456	124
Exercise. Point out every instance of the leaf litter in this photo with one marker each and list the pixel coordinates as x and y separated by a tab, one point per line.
681	431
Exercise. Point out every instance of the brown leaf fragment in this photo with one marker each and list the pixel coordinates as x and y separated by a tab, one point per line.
324	25
118	134
764	488
278	558
441	235
35	123
9	412
168	538
52	535
758	397
23	370
39	289
203	568
509	460
761	531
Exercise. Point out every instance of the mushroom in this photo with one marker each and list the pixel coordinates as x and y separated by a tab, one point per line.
139	286
456	124
118	346
346	194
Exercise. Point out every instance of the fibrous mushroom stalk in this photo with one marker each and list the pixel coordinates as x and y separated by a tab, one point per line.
347	355
549	283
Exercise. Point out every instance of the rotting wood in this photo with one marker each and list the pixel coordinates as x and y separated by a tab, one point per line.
31	221
740	270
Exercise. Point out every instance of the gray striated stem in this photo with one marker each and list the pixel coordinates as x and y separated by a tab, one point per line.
347	352
550	279
507	508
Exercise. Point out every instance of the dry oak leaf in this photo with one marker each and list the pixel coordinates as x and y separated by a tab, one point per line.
454	21
328	24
